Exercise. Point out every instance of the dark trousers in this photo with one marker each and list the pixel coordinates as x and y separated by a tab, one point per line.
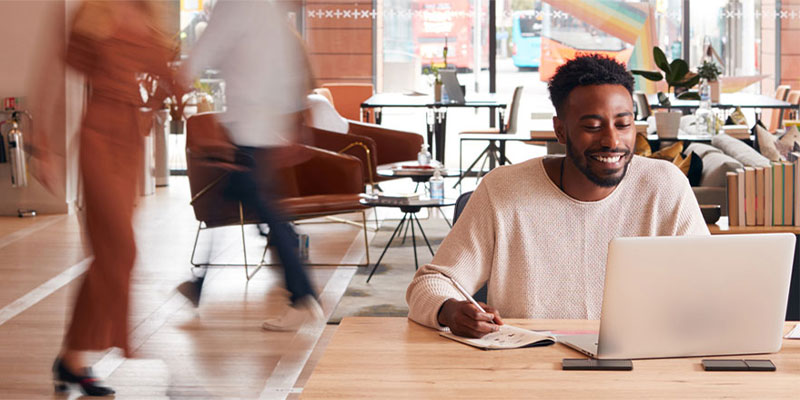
256	189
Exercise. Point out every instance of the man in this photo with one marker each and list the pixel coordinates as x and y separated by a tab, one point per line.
266	77
537	233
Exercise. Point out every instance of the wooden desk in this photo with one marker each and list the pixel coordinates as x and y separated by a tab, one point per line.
542	130
381	358
793	308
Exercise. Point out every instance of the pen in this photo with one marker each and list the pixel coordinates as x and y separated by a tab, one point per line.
466	294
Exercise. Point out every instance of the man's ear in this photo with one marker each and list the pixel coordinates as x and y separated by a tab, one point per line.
561	132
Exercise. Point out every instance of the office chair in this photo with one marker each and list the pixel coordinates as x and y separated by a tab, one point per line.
793	97
492	152
772	117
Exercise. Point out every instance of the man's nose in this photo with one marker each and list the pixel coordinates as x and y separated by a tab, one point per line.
610	137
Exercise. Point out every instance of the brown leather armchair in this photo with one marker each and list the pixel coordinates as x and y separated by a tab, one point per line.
324	183
348	98
373	144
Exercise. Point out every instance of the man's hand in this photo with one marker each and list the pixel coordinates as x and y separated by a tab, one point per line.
464	319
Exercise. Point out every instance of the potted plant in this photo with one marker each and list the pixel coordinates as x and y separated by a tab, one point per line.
677	75
437	81
710	72
434	70
679	80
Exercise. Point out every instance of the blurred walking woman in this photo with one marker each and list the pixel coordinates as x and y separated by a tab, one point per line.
111	43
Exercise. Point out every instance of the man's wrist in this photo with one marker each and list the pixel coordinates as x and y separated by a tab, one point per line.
441	316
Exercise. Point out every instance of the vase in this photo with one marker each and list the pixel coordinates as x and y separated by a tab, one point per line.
176	127
437	92
668	124
716	88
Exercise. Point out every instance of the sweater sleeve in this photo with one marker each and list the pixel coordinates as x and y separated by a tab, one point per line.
687	212
466	255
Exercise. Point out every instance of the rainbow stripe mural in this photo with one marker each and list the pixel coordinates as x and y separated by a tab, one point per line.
633	23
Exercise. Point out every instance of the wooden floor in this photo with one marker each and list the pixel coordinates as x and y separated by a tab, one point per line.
215	351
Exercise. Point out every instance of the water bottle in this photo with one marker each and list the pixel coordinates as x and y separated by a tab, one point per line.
445	96
437	185
704	116
424	156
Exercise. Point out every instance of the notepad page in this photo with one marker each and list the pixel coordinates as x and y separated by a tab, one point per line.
507	337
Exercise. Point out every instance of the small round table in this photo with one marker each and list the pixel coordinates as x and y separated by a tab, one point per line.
410	211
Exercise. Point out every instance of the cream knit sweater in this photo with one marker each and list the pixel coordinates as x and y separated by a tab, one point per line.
543	253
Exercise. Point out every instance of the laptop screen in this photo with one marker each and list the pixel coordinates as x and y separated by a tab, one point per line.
451	85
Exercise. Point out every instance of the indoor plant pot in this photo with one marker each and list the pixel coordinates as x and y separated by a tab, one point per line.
668	123
716	89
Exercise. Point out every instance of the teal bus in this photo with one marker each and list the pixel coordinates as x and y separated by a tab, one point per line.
526	39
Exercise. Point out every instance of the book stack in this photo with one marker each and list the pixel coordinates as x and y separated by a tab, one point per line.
765	196
737	131
399	199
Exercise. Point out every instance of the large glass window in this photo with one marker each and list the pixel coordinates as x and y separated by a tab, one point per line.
731	29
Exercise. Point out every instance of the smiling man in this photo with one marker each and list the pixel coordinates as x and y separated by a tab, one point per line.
537	233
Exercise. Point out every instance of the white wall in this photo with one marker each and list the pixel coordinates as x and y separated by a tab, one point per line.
33	35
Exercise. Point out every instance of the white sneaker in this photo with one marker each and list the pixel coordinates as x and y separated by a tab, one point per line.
307	310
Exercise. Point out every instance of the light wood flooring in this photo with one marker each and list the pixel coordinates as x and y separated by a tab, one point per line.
215	351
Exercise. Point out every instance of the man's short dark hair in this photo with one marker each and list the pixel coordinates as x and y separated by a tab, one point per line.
587	70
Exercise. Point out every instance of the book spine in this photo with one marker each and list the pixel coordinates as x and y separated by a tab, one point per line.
777	194
768	196
796	191
750	196
788	194
760	196
741	202
733	199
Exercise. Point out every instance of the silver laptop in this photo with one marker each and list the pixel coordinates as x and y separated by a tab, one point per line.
692	296
451	85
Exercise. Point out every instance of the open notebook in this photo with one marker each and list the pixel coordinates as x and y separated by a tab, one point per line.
508	337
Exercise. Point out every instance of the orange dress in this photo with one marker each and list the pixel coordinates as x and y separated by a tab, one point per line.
111	157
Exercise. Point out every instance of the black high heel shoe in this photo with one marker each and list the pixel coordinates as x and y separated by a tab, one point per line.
62	377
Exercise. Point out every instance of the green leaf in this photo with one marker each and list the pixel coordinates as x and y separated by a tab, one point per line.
650	75
679	70
689	82
689	95
661	60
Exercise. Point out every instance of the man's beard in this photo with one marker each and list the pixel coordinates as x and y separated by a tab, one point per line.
582	165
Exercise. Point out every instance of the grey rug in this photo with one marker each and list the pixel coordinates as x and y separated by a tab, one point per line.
385	294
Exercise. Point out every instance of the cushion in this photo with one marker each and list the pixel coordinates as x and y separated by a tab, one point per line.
701	149
691	166
767	144
786	143
324	116
715	166
642	146
739	150
669	153
737	117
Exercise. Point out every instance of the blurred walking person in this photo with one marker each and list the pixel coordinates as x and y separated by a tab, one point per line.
111	43
266	79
